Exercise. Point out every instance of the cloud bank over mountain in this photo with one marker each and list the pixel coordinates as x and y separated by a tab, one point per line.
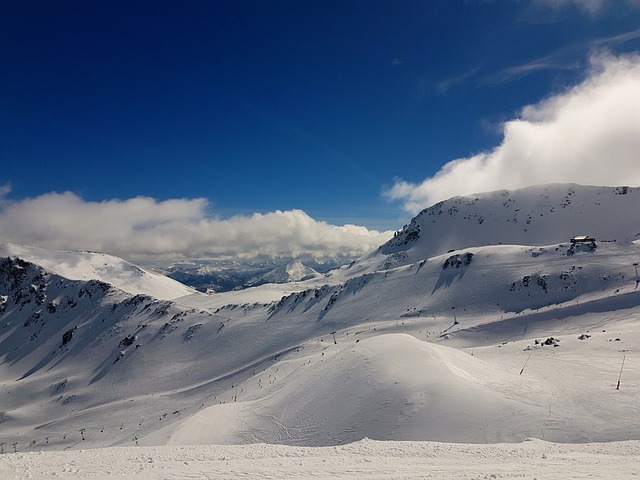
587	134
146	228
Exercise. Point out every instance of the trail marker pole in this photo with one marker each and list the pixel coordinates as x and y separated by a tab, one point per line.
620	376
525	364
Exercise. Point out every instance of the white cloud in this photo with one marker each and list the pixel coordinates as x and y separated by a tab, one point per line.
145	228
4	191
589	134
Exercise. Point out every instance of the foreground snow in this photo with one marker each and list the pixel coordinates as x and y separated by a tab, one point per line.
363	459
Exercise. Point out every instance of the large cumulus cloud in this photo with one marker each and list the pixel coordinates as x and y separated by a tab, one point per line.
588	134
145	228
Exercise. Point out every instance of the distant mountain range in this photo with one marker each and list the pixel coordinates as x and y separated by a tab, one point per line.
294	271
223	276
480	321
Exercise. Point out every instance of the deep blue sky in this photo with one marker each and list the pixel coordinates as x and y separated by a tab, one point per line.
264	105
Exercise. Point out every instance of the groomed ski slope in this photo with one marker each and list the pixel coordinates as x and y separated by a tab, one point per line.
365	459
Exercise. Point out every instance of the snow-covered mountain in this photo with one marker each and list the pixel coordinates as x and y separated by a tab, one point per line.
496	341
77	265
294	271
540	215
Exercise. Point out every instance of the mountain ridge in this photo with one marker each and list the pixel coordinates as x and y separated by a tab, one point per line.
85	265
537	215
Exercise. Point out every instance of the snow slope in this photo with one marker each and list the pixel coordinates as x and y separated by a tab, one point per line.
77	265
386	387
162	373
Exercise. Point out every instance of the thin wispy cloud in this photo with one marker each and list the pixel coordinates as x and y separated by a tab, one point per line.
615	40
567	58
549	11
550	62
145	228
445	85
592	7
588	134
570	57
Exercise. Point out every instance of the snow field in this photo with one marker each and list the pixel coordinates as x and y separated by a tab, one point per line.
368	459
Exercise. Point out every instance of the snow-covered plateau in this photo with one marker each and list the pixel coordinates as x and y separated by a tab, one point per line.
479	342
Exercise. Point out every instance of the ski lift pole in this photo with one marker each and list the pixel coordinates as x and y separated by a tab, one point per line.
525	364
620	376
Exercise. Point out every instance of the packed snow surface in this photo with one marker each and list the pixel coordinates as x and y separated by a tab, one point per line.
366	459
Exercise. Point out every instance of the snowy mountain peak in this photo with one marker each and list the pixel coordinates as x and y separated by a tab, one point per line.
82	265
538	215
294	271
